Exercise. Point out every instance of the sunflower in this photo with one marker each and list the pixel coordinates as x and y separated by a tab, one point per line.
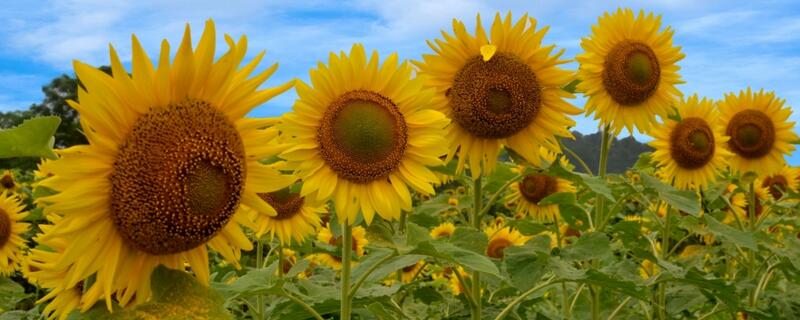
628	70
781	183
8	183
11	230
408	273
549	157
760	132
444	230
500	91
325	235
169	161
502	238
533	188
690	148
361	133
298	217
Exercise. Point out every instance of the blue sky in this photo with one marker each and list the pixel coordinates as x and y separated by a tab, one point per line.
729	45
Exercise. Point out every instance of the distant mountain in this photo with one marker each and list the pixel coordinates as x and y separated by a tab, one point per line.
624	152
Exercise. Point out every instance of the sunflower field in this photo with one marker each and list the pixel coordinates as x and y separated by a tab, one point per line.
436	188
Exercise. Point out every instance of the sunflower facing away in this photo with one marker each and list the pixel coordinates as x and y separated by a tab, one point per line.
7	182
408	273
169	161
11	230
298	217
759	130
500	91
501	238
527	193
363	132
691	150
628	70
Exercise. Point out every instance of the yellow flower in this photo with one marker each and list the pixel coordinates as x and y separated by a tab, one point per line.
408	273
532	189
298	217
445	229
502	238
691	151
325	235
503	90
759	130
362	133
11	230
628	70
8	183
781	182
170	160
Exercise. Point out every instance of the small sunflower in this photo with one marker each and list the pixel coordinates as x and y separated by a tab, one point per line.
628	70
500	91
170	159
759	130
11	230
690	150
362	133
781	183
549	157
444	230
502	238
408	273
298	217
325	235
533	188
8	183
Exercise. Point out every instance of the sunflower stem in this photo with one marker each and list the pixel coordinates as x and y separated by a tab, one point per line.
605	147
259	298
280	261
476	222
347	244
662	286
577	158
302	304
751	253
565	310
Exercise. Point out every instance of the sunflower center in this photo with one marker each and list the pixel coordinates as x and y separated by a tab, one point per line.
7	181
497	246
410	268
752	134
496	98
631	73
692	143
536	187
178	178
777	185
363	136
5	228
285	202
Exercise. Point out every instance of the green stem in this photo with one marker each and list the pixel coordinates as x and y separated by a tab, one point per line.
579	159
662	287
402	222
259	298
605	147
366	275
524	295
564	294
488	205
347	248
302	304
477	209
619	308
280	261
751	265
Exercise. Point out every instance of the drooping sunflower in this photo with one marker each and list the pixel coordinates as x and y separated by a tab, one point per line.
11	230
690	148
781	182
444	230
8	183
170	160
325	235
408	273
501	238
628	70
298	217
503	90
527	193
362	133
759	130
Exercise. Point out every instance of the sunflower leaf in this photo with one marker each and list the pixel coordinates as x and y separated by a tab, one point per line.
32	138
683	200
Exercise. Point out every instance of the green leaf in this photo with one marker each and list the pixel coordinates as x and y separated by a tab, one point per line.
371	260
524	266
527	226
683	200
572	86
558	198
717	287
728	233
498	178
594	245
448	169
416	234
597	185
449	252
32	138
393	265
10	293
470	239
606	281
645	161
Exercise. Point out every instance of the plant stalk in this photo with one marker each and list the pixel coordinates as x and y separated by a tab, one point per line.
347	248
476	222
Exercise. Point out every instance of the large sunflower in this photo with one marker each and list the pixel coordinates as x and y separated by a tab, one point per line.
500	91
628	70
363	132
760	132
690	147
169	161
11	230
526	194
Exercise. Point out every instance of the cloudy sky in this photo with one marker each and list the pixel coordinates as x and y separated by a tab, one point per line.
729	45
